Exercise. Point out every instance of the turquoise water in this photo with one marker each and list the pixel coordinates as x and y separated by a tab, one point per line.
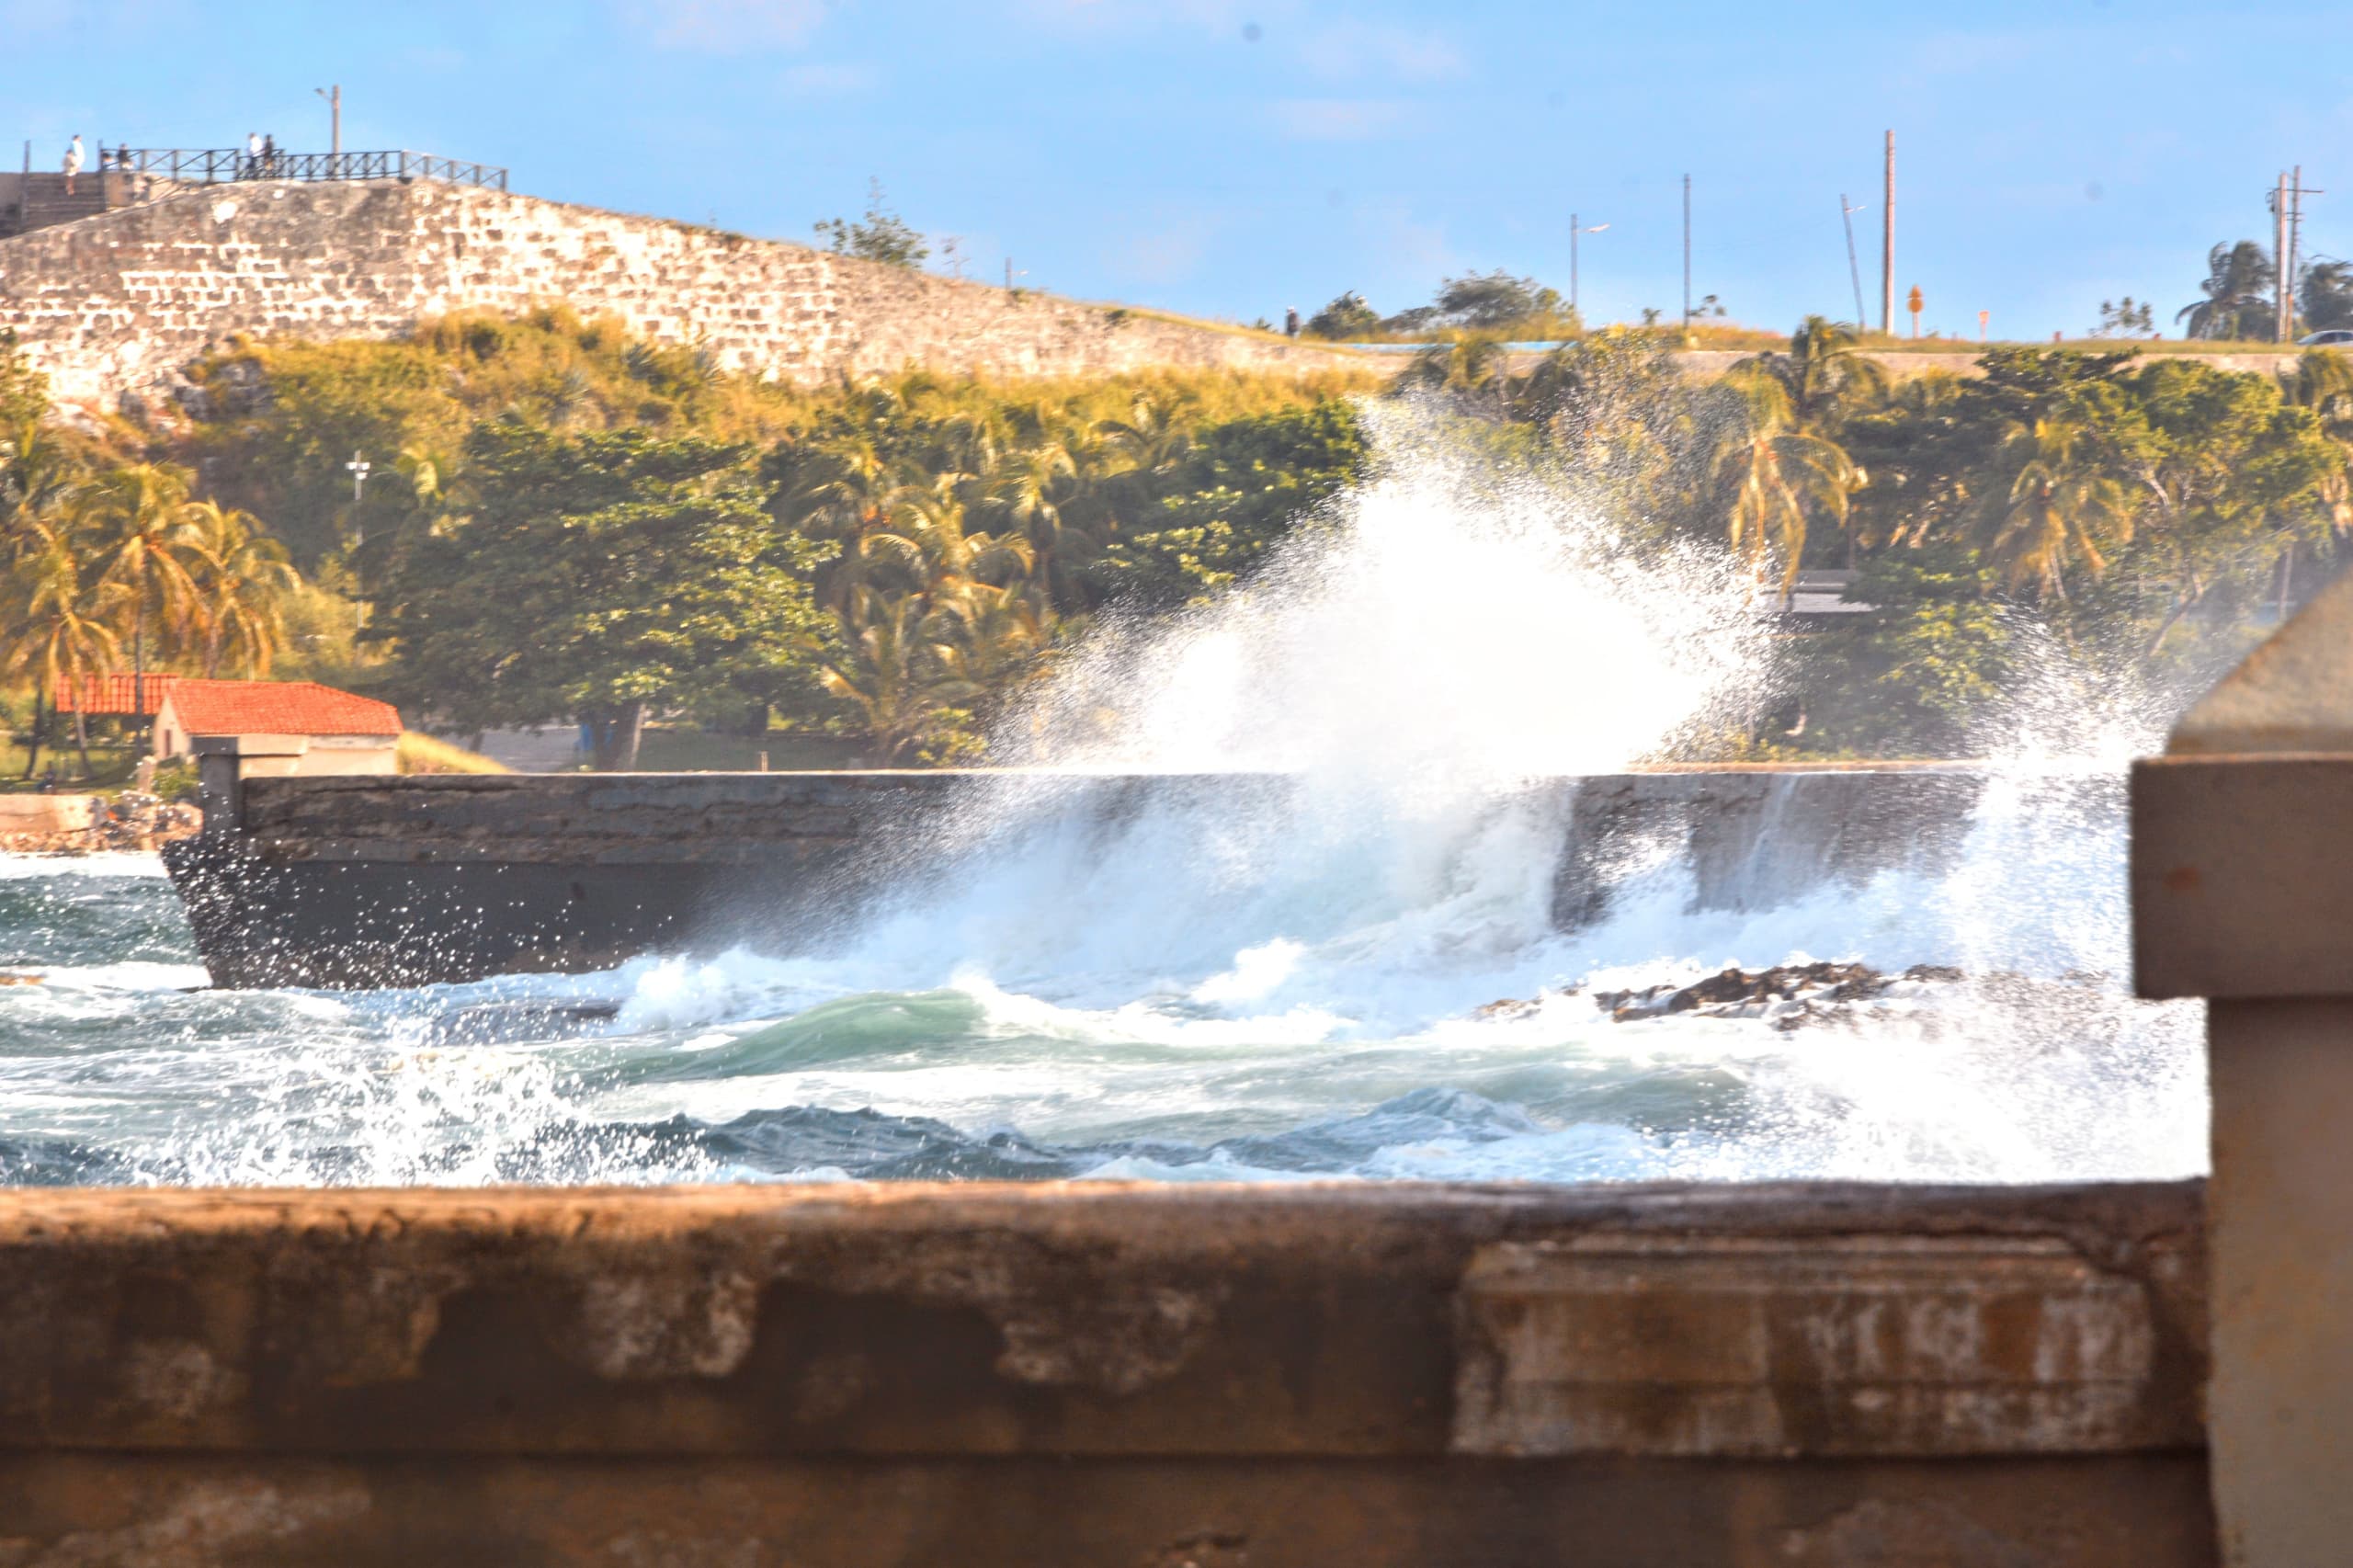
1020	1022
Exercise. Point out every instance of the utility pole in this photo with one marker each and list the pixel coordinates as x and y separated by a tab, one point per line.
2297	191
1687	256
2279	259
1854	269
334	96
1887	247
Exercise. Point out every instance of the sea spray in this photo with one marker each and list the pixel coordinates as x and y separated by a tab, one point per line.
1313	840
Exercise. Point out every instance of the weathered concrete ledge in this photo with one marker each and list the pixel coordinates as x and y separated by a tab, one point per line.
1816	1375
358	882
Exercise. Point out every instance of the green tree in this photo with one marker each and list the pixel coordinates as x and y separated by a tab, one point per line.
1824	374
143	536
899	685
1240	488
596	577
1345	317
1774	474
2224	471
57	621
2060	503
2324	295
1482	301
2239	284
242	582
24	392
881	235
2126	318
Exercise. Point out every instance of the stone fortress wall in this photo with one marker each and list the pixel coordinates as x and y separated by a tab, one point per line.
114	306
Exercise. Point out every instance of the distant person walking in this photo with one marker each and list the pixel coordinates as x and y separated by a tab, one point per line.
269	156
253	155
1291	321
73	162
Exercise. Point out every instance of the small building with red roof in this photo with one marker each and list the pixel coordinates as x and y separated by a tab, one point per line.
324	730
115	696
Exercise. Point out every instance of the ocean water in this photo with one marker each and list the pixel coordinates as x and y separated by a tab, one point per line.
1300	988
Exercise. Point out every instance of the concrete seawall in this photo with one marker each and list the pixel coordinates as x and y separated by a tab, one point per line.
381	882
1816	1376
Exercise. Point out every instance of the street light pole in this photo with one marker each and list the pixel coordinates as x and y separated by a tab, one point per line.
1854	269
1573	232
334	96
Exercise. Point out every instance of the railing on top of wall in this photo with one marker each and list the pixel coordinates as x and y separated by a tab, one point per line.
220	165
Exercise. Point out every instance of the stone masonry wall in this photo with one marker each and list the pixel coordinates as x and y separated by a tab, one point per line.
117	304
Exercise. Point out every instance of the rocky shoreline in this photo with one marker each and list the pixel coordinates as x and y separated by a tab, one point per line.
125	824
1786	995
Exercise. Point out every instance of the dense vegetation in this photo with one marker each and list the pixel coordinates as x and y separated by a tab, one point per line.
558	523
2146	519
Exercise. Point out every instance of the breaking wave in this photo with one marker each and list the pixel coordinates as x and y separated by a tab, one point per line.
1352	970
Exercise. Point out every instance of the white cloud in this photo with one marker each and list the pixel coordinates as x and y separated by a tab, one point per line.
1338	120
1351	49
725	27
823	81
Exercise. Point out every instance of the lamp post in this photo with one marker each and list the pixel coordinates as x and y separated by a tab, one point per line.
359	468
1854	271
334	96
1573	232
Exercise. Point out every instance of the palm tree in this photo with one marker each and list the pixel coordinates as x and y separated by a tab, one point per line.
59	612
144	539
1151	437
1467	366
2240	294
1826	374
895	679
2327	294
242	578
2056	502
926	533
1030	493
36	476
1775	471
988	636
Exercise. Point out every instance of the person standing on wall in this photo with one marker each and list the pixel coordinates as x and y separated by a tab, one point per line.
72	161
253	155
1291	321
270	155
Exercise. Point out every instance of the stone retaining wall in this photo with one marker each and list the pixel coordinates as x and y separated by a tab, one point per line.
120	303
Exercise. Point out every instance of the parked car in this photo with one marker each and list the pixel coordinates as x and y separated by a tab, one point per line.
2335	337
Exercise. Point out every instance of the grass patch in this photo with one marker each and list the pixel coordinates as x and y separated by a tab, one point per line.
420	752
699	751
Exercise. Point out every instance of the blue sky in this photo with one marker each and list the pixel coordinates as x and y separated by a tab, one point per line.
1230	159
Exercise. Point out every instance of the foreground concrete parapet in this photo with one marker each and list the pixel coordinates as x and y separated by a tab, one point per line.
1369	1375
2243	893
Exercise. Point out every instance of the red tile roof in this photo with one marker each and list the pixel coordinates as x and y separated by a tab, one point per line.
112	694
278	708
